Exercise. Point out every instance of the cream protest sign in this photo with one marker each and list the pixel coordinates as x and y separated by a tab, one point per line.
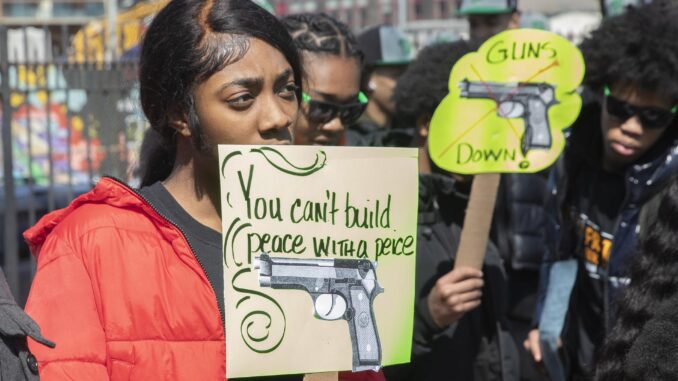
508	104
319	255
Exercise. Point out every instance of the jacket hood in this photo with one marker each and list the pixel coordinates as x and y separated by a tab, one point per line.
108	191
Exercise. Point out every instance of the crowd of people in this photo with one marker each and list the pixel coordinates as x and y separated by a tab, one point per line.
580	277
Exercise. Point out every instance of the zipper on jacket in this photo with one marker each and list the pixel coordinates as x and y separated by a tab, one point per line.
202	266
606	271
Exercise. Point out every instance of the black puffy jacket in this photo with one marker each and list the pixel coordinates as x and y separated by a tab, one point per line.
519	219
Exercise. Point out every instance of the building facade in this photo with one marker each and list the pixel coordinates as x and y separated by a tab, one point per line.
359	14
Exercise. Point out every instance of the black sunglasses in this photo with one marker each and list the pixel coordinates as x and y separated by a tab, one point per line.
324	112
650	117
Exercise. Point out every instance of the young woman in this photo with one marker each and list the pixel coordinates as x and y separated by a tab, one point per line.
331	100
332	62
621	152
129	283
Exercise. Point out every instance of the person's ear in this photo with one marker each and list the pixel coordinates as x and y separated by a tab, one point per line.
422	124
599	96
178	120
368	82
305	83
514	22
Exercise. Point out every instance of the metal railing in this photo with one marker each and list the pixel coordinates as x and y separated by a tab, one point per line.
65	122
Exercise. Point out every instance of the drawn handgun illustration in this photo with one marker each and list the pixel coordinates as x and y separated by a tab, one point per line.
340	288
527	100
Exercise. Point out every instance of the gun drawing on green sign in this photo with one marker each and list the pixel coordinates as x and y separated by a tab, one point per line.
530	101
340	288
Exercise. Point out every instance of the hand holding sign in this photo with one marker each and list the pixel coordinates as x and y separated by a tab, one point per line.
454	294
507	107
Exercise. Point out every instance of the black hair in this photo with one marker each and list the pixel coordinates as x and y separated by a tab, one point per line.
638	47
321	33
156	158
653	281
187	42
425	82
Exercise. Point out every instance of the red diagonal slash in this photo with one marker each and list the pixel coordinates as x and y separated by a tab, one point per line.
509	97
543	70
496	100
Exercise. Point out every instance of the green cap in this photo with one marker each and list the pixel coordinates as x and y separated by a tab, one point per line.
613	8
266	5
534	20
487	7
385	45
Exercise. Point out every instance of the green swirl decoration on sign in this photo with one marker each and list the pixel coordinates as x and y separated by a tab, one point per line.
226	159
228	238
262	343
281	163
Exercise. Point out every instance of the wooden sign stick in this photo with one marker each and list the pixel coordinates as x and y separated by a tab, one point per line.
327	376
477	222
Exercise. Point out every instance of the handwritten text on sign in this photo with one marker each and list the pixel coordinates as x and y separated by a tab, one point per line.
295	209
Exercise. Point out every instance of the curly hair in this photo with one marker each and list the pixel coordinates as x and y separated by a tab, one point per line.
424	84
653	281
638	47
322	33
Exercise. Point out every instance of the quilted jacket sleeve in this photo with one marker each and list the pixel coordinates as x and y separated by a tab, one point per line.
62	302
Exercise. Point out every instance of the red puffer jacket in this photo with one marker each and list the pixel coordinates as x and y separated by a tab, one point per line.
121	293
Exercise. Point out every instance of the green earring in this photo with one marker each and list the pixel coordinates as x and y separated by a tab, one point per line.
305	97
362	98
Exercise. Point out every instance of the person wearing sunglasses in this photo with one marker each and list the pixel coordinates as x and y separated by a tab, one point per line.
621	152
332	62
331	98
633	119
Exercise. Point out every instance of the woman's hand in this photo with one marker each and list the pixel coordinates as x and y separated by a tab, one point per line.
531	344
454	294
